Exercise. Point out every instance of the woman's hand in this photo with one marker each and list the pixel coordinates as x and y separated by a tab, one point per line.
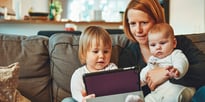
85	96
156	76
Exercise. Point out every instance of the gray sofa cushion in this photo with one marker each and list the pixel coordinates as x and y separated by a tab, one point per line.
32	54
199	40
63	49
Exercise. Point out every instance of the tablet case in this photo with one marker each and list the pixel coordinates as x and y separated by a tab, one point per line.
123	97
112	82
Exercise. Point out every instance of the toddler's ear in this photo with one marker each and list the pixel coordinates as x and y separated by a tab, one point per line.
175	42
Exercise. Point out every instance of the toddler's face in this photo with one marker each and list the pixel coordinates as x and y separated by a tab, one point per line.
98	56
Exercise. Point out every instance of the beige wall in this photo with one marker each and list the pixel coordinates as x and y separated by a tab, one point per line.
7	3
21	7
187	16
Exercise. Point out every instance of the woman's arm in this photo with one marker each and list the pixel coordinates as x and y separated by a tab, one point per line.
131	56
195	76
156	77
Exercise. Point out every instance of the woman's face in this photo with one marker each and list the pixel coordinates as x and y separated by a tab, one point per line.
139	23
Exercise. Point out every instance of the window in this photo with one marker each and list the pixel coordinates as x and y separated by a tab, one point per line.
88	10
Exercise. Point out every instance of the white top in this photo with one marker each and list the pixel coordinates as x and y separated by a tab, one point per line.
77	84
176	59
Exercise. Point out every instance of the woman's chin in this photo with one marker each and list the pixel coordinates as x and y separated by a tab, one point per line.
142	40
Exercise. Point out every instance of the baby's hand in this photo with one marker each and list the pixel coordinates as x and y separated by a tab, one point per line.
173	72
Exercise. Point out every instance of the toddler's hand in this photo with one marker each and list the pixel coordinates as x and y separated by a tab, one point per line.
85	96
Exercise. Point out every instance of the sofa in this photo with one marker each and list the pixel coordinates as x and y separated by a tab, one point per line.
47	63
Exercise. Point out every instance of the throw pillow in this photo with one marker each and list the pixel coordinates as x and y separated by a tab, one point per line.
8	84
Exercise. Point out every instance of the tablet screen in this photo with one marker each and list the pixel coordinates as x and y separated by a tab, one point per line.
112	82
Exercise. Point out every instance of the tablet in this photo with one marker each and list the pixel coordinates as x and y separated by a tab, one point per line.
112	82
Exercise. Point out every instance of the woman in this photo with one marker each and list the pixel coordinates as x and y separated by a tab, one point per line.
139	17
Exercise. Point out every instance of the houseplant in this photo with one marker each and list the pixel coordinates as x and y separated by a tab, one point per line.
55	10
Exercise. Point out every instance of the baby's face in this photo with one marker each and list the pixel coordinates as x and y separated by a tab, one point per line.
98	56
161	46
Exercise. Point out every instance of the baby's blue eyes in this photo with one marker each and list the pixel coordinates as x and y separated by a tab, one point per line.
152	45
161	43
